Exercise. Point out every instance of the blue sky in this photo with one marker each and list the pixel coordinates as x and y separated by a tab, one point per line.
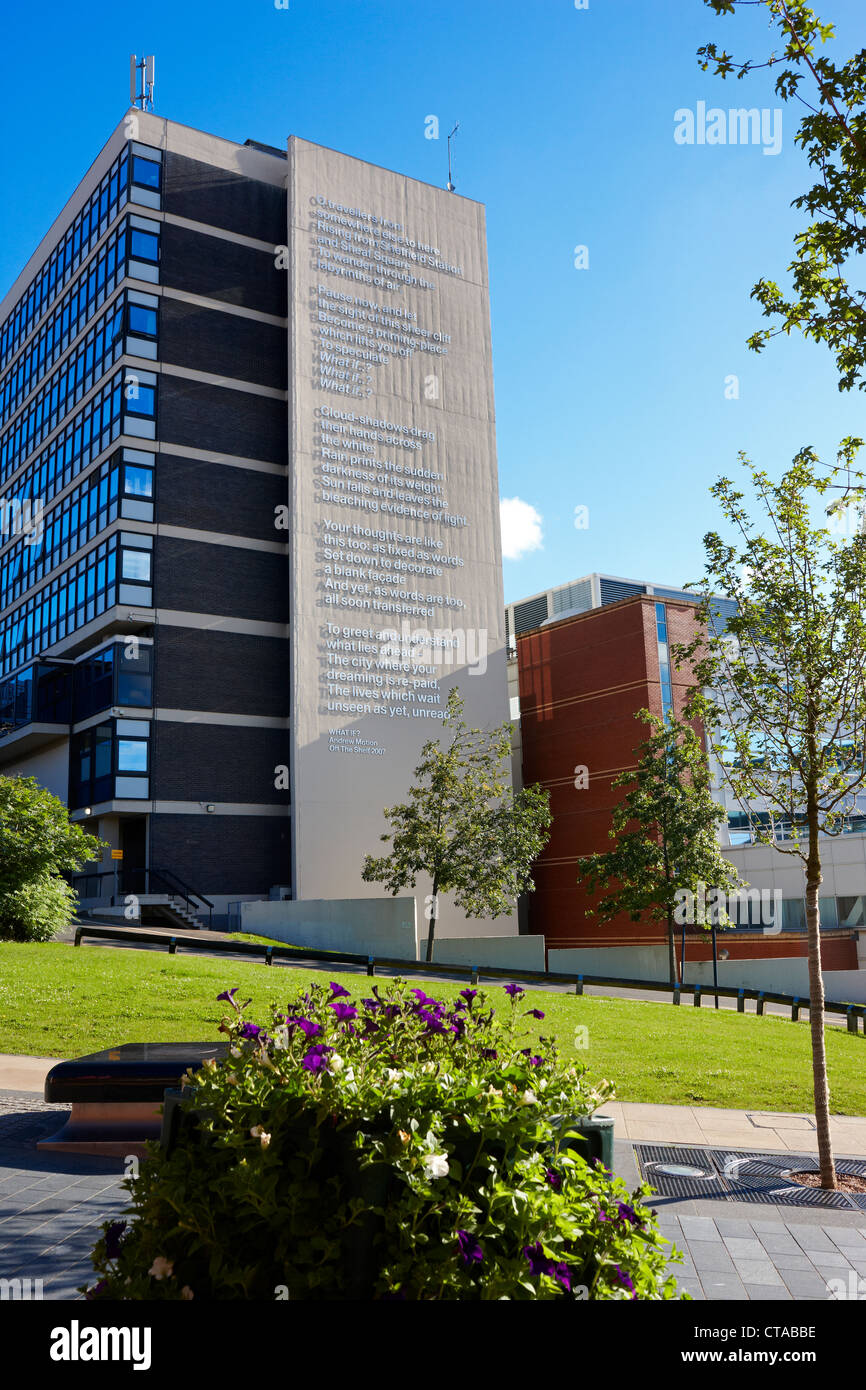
610	380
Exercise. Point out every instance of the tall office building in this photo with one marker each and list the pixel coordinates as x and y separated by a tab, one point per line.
249	508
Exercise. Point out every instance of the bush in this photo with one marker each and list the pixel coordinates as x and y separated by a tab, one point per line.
37	910
394	1148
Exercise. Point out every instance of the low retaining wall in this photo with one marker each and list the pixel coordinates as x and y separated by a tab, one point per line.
784	975
371	926
508	952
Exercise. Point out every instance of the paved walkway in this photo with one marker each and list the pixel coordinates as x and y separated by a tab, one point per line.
51	1206
735	1129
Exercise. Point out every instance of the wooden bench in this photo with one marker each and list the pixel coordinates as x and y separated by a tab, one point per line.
116	1096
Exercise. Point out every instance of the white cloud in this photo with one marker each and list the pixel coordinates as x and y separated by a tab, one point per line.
521	528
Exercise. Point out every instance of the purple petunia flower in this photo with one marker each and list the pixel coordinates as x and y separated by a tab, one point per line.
344	1012
113	1239
554	1179
536	1061
316	1059
627	1213
470	1249
228	994
489	1053
534	1013
432	1024
554	1269
515	991
338	991
251	1030
308	1027
624	1279
97	1290
469	995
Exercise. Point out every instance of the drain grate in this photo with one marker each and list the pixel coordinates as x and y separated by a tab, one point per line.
728	1175
675	1171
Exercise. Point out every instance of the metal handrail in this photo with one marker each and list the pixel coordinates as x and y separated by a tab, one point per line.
473	972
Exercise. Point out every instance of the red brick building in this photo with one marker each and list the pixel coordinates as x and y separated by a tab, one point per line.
582	680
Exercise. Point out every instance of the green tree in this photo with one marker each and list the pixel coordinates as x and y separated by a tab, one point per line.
38	845
665	831
782	688
463	826
825	305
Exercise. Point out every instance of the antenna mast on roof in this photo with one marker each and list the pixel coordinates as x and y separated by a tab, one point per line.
141	90
450	138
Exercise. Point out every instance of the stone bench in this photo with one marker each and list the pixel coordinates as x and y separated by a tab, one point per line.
116	1096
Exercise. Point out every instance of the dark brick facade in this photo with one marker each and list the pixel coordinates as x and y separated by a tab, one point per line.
203	193
201	416
223	270
218	762
209	340
219	497
226	672
223	854
197	577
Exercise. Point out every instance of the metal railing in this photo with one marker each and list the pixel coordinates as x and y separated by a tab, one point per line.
130	880
299	955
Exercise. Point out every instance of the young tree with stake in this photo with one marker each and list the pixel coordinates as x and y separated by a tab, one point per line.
665	831
782	689
463	826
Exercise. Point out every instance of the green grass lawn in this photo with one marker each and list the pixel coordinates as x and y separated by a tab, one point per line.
59	1001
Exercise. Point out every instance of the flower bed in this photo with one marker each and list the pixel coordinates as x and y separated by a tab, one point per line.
394	1147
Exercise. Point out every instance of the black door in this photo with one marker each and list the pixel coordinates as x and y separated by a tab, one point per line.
133	842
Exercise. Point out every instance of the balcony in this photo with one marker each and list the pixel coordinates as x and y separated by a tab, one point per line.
35	708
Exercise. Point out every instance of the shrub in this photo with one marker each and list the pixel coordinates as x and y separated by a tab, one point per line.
36	911
393	1148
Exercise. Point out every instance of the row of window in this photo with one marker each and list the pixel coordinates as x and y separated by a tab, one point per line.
67	692
108	761
119	570
116	489
86	229
97	281
664	660
125	404
134	169
95	355
130	325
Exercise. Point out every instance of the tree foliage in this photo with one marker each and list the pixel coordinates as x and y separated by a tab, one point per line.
38	845
825	303
463	826
665	832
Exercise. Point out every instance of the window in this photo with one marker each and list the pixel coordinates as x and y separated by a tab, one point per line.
145	172
141	400
134	684
144	246
135	564
137	481
131	755
142	320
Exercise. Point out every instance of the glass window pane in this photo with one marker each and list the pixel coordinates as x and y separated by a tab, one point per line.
851	912
142	320
136	565
793	914
138	482
131	755
145	172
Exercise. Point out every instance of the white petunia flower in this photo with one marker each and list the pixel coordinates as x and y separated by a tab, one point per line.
335	1062
161	1267
529	1098
436	1165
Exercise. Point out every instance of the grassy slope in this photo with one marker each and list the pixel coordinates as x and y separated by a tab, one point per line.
57	1001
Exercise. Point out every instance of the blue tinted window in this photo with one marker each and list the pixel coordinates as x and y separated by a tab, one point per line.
142	320
143	402
138	482
145	172
144	245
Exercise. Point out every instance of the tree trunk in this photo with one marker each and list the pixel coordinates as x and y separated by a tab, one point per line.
434	913
672	949
816	1003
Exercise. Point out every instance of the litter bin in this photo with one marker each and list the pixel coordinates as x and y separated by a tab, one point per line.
596	1143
